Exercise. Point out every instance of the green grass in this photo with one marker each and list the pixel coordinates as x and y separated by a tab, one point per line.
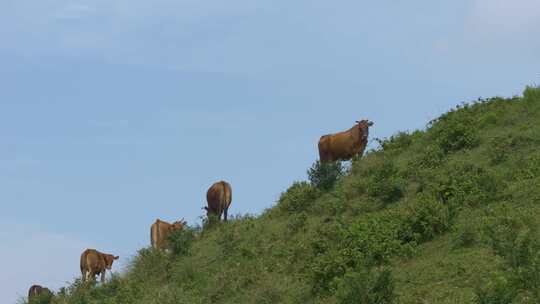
427	218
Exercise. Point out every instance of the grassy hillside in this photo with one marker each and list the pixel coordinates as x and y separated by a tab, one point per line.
446	215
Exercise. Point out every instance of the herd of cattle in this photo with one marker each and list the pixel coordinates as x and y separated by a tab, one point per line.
333	147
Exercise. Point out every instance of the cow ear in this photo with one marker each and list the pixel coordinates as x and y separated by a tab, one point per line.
116	257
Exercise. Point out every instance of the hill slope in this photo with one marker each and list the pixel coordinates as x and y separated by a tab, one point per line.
446	215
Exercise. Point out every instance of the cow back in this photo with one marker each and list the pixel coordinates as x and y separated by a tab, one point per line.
213	196
343	145
154	234
219	197
93	261
36	291
159	233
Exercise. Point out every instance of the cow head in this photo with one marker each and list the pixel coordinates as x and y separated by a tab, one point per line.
365	123
178	225
208	211
109	259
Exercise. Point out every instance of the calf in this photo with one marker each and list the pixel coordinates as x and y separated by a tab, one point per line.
94	262
160	230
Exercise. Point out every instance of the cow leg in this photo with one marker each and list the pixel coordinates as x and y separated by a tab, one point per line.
225	214
103	276
83	275
92	276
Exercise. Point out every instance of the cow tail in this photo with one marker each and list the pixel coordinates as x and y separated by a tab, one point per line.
89	266
229	195
223	197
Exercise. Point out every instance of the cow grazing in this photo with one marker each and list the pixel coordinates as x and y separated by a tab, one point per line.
94	262
160	230
219	198
37	291
345	145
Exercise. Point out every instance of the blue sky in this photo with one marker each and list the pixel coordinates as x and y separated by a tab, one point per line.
114	113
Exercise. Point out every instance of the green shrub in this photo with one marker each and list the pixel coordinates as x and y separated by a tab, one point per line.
150	263
466	234
431	157
465	184
489	119
380	180
228	241
423	220
531	94
366	287
529	167
90	292
455	130
42	299
332	204
513	234
498	291
398	142
326	268
501	230
297	222
299	197
375	238
339	248
323	176
502	146
180	241
209	222
499	148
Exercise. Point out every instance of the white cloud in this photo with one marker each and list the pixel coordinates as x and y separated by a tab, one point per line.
32	256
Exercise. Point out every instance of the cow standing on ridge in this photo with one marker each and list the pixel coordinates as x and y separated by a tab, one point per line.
160	230
345	145
219	197
94	262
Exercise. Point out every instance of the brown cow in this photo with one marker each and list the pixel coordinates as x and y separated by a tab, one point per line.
159	232
37	291
345	145
94	262
219	198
